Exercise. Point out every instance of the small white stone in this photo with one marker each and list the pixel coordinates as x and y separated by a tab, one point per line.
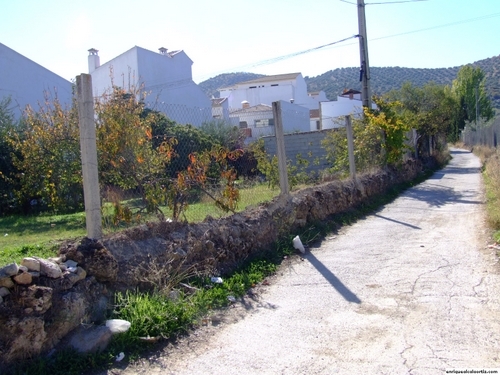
50	269
118	325
32	264
71	264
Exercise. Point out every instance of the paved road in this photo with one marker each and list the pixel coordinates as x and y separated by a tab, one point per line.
411	289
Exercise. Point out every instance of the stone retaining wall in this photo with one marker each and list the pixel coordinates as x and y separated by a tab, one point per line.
44	301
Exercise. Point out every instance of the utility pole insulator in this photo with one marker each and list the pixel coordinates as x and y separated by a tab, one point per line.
363	51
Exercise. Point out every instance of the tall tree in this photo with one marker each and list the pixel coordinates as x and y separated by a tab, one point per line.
430	109
469	88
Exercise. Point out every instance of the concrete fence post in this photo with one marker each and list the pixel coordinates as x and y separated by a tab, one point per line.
350	146
280	148
88	147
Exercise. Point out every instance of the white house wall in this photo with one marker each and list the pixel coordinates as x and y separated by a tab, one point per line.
159	69
28	83
271	91
260	95
166	79
295	118
122	71
332	112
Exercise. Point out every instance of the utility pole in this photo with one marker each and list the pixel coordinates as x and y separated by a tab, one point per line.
477	103
363	51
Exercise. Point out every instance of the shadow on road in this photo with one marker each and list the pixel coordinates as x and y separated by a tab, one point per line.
459	151
438	196
397	221
332	279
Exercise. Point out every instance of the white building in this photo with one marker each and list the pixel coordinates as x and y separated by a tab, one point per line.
287	87
165	76
332	113
28	83
258	120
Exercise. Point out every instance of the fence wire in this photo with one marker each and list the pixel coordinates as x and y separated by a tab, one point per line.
485	134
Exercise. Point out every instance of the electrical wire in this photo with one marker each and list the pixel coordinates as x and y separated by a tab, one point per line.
389	2
284	57
439	26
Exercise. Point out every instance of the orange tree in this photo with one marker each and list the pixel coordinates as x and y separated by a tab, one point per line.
379	139
47	158
392	127
222	189
134	154
127	154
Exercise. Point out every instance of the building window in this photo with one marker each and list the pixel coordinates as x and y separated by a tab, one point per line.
318	125
243	124
264	122
274	85
252	87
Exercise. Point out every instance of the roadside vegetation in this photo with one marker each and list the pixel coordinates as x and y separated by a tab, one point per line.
154	169
490	159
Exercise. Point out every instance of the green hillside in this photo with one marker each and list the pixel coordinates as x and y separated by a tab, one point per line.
212	85
383	80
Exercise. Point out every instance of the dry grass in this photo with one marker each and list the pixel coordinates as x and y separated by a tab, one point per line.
490	159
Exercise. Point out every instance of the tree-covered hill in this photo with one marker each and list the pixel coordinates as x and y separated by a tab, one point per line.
383	80
212	85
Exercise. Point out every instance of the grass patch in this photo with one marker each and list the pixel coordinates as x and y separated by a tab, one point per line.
491	172
39	235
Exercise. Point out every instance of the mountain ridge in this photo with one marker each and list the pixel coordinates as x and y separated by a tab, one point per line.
383	79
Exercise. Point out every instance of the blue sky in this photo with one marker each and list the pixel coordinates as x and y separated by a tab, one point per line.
233	35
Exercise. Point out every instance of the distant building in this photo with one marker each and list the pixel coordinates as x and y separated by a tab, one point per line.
165	76
258	120
287	87
220	108
28	83
332	113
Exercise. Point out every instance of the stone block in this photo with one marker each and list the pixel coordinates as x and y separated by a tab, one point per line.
6	282
4	291
91	340
32	264
49	269
9	270
24	278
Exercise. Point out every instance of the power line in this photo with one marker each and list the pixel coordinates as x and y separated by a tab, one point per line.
284	57
439	26
395	2
389	2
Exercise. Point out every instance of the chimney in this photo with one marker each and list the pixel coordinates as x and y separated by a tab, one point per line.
94	62
245	104
163	50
